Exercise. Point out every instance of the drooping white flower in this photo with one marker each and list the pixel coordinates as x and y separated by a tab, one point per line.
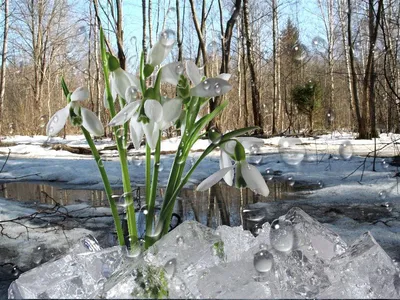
249	173
121	81
158	53
160	117
88	119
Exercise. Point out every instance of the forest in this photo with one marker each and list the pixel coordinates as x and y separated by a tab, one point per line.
298	67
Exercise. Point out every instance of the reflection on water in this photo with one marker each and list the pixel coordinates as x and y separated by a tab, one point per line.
220	205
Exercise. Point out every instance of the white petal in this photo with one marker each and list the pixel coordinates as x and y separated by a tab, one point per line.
170	73
153	110
113	91
152	132
120	81
80	94
125	114
158	53
57	121
193	72
91	122
254	179
224	76
211	87
225	162
229	147
134	81
172	110
213	179
105	100
136	131
248	142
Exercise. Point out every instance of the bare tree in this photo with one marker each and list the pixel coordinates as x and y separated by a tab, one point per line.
3	60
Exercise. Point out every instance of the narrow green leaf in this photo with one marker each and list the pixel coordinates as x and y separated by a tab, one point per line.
148	70
64	87
237	133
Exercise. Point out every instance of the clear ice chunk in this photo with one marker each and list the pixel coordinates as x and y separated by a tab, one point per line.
363	271
76	275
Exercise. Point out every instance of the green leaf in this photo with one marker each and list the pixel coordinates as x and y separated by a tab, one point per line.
237	133
150	93
148	70
64	87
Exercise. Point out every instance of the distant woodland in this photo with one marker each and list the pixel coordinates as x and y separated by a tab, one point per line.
287	79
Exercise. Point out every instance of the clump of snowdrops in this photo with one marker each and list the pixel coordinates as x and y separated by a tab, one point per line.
145	113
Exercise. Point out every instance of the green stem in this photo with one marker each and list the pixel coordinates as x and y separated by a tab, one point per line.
107	186
153	191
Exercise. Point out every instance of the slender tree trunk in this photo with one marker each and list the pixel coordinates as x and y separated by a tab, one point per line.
362	129
144	24
200	51
3	63
255	94
275	30
120	35
149	12
178	31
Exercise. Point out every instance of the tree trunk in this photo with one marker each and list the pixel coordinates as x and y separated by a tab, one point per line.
3	63
178	31
255	94
144	46
120	35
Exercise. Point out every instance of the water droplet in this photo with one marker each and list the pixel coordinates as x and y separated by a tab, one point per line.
126	199
15	271
167	37
38	255
263	246
100	163
180	240
291	150
254	157
134	250
212	48
382	195
179	69
131	94
217	88
160	166
320	184
384	164
136	161
206	85
183	287
55	119
319	44
214	135
263	261
346	150
290	181
269	174
120	132
281	235
256	229
339	249
170	267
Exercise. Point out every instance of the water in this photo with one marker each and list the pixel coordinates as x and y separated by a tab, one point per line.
221	205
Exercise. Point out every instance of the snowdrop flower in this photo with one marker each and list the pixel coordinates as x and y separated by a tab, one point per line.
78	115
210	87
160	116
246	174
120	83
158	53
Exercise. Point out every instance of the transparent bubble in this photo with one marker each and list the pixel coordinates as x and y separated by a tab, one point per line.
135	248
212	48
167	37
346	150
319	44
180	240
384	164
290	181
160	166
38	254
170	267
15	272
171	10
291	150
120	132
125	143
263	261
254	157
100	163
214	135
263	246
299	52
382	195
131	95
256	229
339	249
320	184
136	161
126	199
269	174
282	235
